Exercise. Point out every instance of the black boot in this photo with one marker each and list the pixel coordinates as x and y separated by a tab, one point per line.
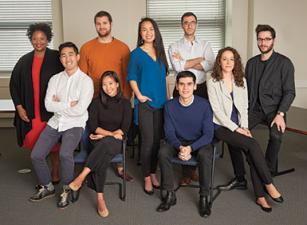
167	202
204	207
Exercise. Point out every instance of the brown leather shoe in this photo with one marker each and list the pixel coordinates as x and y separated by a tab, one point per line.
194	176
125	176
185	181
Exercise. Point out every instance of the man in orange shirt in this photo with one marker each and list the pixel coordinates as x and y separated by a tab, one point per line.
105	53
101	54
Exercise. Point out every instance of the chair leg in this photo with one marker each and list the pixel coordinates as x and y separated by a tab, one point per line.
123	189
213	195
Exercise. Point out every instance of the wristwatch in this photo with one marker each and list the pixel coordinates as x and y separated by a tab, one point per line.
281	113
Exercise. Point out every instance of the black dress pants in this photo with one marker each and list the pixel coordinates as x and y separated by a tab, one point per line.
259	170
150	127
204	158
273	147
99	160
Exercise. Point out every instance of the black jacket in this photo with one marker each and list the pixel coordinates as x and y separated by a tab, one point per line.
21	88
276	84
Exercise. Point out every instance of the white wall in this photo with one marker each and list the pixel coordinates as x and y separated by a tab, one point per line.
289	19
78	19
74	22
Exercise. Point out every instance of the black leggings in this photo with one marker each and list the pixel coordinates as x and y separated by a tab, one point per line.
150	125
260	173
99	160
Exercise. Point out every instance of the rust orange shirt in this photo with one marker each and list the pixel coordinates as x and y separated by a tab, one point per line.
96	58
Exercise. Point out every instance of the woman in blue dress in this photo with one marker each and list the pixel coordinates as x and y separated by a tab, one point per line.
147	72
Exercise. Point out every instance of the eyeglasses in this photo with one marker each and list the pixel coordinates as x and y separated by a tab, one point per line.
186	23
259	40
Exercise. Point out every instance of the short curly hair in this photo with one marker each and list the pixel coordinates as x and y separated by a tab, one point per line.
43	27
237	71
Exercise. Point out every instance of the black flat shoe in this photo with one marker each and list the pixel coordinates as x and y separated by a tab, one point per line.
149	192
279	199
265	209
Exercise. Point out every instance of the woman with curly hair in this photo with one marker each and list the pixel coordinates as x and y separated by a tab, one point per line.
28	85
227	92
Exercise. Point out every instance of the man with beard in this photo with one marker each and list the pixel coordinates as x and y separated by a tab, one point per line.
271	91
104	53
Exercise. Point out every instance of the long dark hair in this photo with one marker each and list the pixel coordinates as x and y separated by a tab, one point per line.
103	96
237	71
158	42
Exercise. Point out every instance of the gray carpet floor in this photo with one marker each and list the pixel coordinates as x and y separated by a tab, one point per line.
231	208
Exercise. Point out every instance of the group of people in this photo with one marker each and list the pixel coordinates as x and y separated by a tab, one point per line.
63	95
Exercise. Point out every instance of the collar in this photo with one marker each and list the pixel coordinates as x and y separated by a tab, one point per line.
196	40
186	105
77	71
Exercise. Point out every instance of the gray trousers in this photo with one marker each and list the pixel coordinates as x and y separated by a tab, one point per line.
48	138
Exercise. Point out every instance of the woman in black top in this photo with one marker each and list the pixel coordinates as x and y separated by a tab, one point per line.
28	86
109	121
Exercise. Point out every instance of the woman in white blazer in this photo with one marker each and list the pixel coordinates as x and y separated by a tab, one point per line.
227	93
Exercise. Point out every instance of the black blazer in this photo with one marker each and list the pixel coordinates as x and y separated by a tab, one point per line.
21	88
276	84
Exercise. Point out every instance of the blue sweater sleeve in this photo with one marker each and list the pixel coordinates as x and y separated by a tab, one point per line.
169	129
132	67
207	129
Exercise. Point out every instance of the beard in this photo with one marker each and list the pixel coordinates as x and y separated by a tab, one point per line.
105	34
268	49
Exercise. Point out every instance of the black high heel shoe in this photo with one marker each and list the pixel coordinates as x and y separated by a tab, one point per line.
279	199
265	209
156	186
74	195
148	192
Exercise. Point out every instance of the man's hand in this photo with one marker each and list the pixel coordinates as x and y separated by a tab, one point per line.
73	103
55	98
177	56
280	123
22	113
185	153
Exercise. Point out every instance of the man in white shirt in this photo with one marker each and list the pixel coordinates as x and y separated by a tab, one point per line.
68	96
195	55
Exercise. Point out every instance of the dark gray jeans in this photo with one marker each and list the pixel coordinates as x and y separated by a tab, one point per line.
69	141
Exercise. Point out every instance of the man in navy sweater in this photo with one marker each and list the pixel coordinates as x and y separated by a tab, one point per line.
189	132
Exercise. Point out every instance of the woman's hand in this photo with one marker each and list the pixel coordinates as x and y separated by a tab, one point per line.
96	137
118	136
143	98
248	132
243	132
22	113
118	131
